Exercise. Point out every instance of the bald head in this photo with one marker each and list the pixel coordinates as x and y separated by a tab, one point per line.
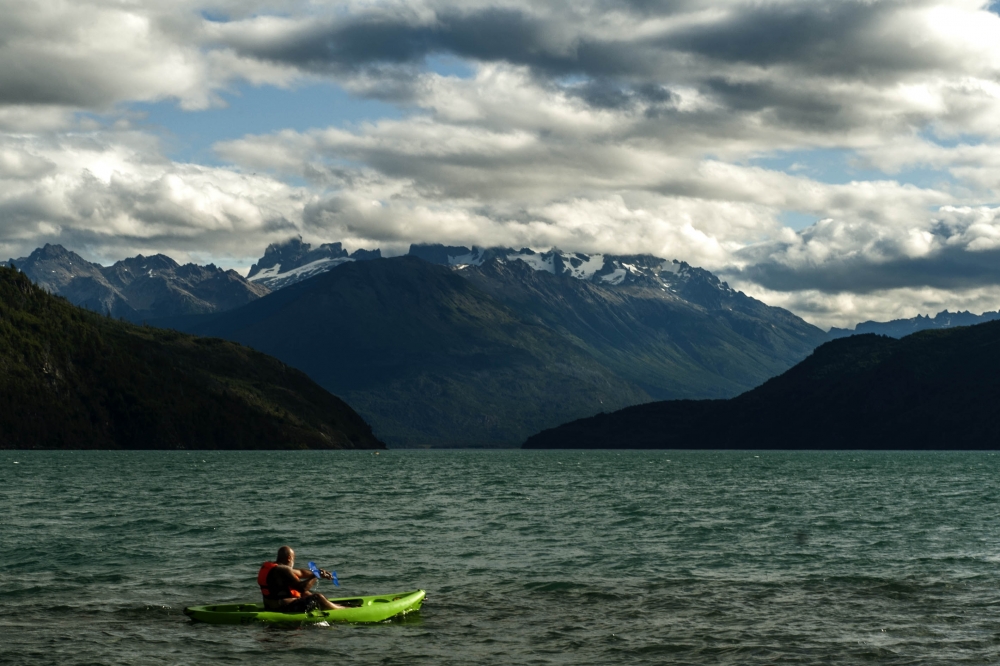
285	555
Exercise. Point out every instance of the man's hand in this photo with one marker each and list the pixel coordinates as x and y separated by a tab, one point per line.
325	574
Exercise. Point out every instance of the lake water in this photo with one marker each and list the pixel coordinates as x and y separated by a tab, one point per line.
528	557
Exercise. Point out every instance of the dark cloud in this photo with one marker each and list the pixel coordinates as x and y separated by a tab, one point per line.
41	83
823	38
788	106
953	268
609	94
830	38
493	34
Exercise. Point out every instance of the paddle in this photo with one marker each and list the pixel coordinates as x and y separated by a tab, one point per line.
315	570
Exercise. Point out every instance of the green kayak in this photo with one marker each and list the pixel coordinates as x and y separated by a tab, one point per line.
359	609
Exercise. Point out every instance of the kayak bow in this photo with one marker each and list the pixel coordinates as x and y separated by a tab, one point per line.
359	609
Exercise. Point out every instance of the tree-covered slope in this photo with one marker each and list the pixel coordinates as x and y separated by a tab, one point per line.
427	357
930	390
71	378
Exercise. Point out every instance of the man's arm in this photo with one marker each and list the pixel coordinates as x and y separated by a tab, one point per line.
294	579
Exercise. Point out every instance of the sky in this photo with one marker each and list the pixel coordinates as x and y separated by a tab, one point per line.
839	159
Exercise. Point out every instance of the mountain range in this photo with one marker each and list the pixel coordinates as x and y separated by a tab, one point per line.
424	355
930	390
139	288
72	378
456	346
898	328
462	346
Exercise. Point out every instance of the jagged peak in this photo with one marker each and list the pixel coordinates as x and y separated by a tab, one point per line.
294	253
143	263
51	251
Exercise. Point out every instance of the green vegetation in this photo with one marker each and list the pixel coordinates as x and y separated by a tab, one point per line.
930	390
71	378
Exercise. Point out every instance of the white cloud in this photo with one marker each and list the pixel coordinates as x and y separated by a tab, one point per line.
110	199
847	309
624	128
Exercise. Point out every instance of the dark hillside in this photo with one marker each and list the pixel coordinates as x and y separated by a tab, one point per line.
426	356
71	378
673	345
930	390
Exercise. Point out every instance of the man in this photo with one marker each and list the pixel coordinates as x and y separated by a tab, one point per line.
287	589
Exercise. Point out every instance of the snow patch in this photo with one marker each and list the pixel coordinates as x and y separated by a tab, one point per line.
274	278
474	258
271	272
536	261
615	277
590	265
669	267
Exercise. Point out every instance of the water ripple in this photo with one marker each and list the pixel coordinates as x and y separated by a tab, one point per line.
564	557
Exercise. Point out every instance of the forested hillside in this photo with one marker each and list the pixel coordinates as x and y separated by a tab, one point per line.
71	378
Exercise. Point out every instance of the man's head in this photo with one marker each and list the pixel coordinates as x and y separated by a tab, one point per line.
286	556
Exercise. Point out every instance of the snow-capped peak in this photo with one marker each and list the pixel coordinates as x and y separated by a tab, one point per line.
293	261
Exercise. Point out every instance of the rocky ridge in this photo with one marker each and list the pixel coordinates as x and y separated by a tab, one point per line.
138	288
898	328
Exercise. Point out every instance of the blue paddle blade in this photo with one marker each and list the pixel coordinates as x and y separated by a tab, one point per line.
315	570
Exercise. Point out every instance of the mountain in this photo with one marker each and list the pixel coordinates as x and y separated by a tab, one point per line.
72	378
425	355
674	330
140	288
286	263
930	390
483	349
898	328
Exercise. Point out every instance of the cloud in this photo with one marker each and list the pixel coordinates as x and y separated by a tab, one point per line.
846	309
815	68
959	250
111	199
591	125
92	55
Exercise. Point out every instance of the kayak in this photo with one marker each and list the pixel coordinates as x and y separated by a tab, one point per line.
359	609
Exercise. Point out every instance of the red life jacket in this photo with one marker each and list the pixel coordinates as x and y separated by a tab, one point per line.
262	582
